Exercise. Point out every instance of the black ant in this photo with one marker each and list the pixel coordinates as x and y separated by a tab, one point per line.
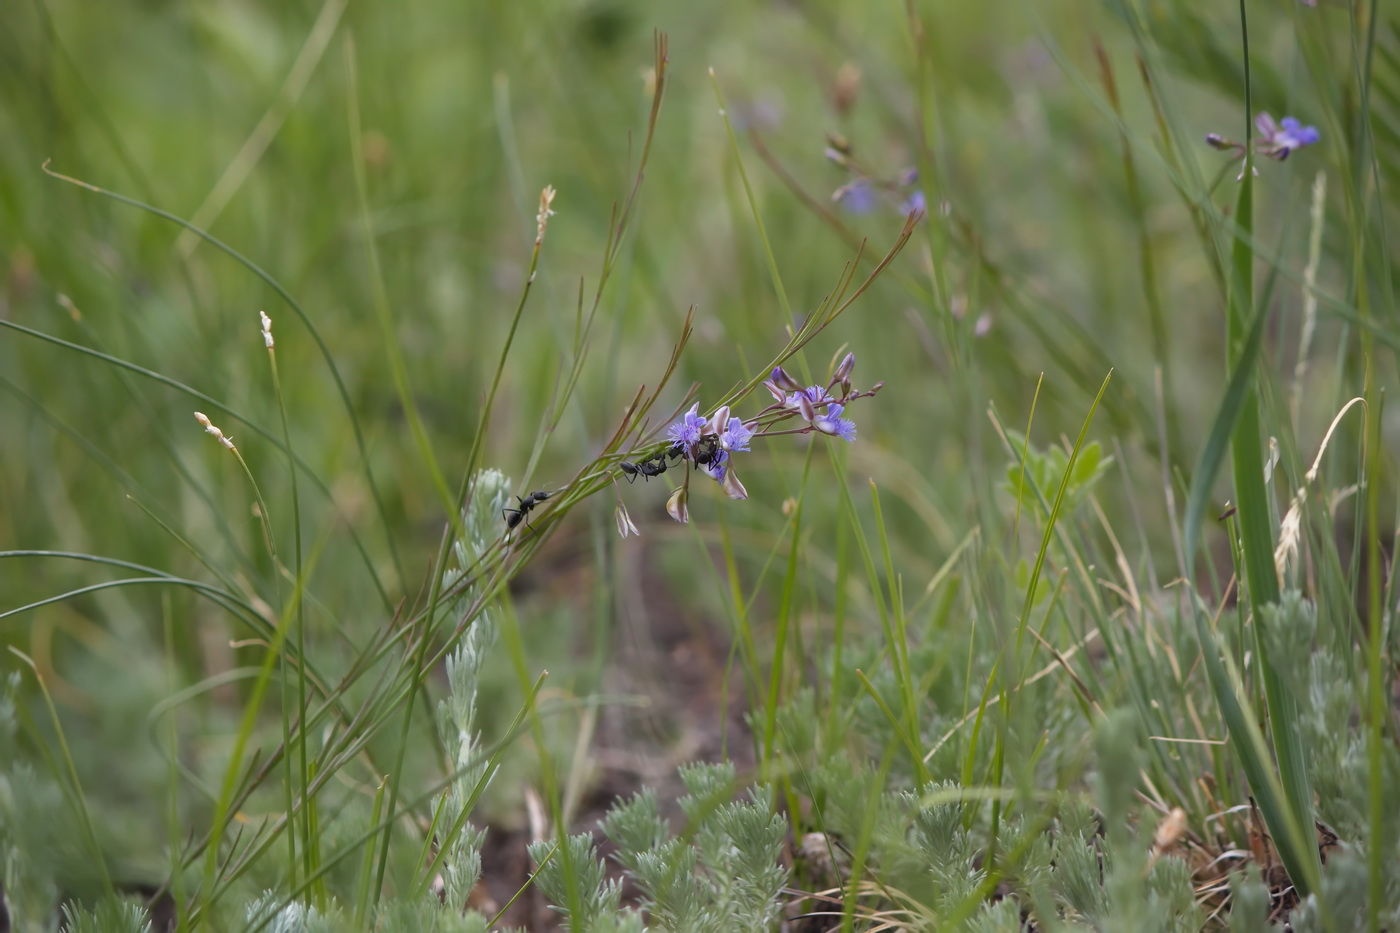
709	451
652	466
514	517
645	468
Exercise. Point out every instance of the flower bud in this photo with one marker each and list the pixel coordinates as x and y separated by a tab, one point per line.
843	372
773	390
783	380
676	507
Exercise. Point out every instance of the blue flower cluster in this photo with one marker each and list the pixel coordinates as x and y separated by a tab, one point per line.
1276	138
862	194
708	444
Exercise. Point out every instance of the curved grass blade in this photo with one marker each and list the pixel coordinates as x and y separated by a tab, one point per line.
296	307
232	413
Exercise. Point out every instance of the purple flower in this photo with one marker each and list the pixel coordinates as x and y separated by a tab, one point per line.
688	430
810	397
1277	140
915	202
858	197
736	436
718	421
831	422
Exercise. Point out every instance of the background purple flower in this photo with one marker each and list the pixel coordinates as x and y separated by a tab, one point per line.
1277	140
858	197
1296	134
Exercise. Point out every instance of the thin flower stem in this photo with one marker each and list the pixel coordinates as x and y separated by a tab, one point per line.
308	839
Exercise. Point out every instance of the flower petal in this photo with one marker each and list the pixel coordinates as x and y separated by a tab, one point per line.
731	485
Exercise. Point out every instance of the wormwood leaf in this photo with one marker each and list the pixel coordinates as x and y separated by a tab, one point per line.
1078	879
598	897
427	917
676	898
109	916
1003	916
635	827
1249	901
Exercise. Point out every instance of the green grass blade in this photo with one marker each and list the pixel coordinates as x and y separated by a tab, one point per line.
296	307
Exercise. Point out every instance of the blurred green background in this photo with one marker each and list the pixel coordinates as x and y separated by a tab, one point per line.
467	110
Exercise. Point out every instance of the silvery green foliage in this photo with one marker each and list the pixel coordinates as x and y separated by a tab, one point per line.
635	827
1077	818
109	916
1338	753
676	897
1092	886
1345	891
1104	878
268	914
481	521
840	785
799	722
426	917
628	921
944	850
1029	856
1078	880
1003	916
1171	900
728	878
460	867
740	844
1249	902
665	869
1116	742
1287	629
35	827
575	882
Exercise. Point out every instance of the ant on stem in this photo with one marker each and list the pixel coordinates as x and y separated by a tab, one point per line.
514	517
652	466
